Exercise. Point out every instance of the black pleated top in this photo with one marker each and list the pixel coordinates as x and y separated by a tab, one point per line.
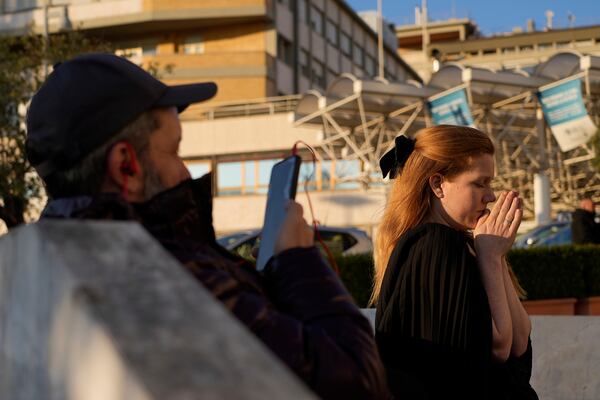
434	327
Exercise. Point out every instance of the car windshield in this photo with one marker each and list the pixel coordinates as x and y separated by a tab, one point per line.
228	240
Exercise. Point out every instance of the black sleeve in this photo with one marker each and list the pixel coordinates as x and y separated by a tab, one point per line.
310	322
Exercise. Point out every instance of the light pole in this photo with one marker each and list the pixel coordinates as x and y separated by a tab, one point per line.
380	40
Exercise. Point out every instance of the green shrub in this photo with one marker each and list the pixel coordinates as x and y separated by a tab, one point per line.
549	273
356	271
544	272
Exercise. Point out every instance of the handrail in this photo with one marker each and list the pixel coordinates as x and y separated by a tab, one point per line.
239	108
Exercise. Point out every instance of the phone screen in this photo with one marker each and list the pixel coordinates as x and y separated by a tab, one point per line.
282	187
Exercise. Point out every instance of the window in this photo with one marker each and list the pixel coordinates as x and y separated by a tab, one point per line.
303	55
133	54
307	177
252	176
337	242
346	44
526	48
370	66
287	3
229	178
318	73
302	11
358	54
149	49
244	177
285	51
198	168
332	32
345	170
192	45
316	20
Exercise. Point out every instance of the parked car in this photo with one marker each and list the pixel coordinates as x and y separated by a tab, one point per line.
555	233
339	240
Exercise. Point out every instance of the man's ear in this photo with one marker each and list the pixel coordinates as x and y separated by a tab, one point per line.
123	172
435	183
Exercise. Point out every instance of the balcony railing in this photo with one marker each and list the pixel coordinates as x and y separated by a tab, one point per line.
242	108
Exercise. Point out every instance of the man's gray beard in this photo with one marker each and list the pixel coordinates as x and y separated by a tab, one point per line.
152	183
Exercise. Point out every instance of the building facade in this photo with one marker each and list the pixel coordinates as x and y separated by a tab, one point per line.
250	48
261	54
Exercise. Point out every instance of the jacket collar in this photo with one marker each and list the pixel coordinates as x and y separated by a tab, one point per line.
185	209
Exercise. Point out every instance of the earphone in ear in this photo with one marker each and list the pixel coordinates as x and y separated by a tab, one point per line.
130	166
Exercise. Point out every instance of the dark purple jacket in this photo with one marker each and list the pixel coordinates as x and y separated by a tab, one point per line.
298	307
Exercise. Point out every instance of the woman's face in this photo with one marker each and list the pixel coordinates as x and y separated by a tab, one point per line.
466	195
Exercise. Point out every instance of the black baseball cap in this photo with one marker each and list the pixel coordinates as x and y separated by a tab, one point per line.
89	99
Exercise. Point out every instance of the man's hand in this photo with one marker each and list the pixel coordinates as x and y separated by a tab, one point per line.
295	232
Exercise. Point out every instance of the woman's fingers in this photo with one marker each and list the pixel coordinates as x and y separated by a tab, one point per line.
497	206
516	222
503	218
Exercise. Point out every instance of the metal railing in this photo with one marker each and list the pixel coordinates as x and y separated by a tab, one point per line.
242	108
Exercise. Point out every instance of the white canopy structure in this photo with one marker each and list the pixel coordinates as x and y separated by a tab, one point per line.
360	119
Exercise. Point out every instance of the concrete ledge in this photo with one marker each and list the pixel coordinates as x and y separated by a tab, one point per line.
97	310
566	356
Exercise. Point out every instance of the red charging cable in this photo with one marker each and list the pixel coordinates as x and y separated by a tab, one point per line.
315	223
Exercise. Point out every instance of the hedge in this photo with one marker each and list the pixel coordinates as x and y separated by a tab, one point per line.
544	272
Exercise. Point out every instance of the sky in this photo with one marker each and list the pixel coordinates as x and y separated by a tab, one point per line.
494	16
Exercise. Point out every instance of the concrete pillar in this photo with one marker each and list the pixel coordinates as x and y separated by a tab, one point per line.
541	193
541	182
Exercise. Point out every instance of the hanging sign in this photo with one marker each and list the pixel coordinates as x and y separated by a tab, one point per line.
450	108
565	113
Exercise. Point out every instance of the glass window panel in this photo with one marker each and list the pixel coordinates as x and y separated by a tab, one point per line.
346	44
198	169
302	10
318	76
326	167
332	32
307	174
358	55
316	20
193	45
345	169
249	176
229	178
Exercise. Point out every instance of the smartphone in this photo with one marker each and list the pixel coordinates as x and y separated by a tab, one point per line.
282	187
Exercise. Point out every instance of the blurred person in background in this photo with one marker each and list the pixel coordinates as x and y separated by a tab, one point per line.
449	320
585	229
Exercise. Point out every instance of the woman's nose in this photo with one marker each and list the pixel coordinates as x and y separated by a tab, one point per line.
490	197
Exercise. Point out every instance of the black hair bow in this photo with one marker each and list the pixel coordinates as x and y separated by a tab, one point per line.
394	160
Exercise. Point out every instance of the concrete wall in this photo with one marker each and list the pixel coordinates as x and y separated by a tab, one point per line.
243	135
566	356
99	311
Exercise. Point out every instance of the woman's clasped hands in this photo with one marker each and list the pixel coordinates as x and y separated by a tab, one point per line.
496	229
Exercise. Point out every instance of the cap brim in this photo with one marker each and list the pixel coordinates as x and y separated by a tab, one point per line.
181	96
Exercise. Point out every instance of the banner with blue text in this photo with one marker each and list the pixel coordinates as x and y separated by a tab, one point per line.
451	108
565	113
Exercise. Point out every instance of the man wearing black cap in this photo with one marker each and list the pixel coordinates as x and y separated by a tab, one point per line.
104	136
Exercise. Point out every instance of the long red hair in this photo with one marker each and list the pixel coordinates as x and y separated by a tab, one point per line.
443	149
